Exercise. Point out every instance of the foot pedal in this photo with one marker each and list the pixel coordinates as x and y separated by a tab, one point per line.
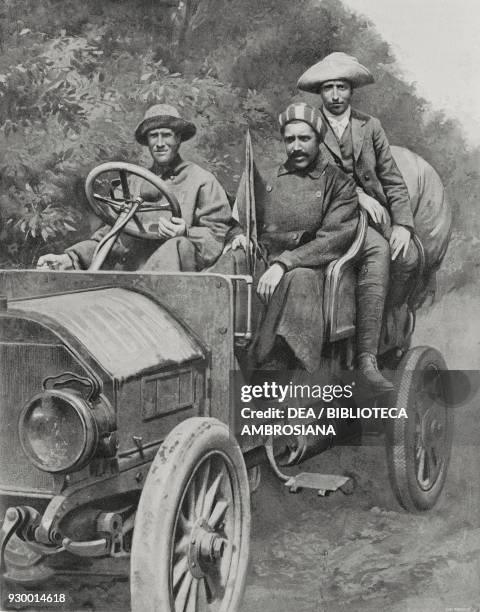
323	483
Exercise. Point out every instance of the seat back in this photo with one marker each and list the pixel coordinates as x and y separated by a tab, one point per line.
339	292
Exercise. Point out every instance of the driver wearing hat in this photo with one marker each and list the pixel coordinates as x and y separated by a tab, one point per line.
190	243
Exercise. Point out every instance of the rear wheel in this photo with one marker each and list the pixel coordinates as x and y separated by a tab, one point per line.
418	448
191	537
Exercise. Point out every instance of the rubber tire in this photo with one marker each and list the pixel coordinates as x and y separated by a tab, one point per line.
400	435
169	474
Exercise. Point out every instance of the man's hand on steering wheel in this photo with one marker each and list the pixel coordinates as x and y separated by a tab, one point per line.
171	228
125	213
155	195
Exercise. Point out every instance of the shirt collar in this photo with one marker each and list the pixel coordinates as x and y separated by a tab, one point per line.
314	171
342	119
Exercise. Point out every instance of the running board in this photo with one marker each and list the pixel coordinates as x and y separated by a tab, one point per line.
323	483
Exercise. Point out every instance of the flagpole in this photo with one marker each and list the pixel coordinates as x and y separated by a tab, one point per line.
248	199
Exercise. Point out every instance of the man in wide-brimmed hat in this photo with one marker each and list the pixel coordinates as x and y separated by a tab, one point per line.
356	143
189	243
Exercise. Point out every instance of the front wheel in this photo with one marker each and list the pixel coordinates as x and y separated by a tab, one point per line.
418	447
192	529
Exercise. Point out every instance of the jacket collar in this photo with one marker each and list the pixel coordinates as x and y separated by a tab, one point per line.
177	165
314	171
363	117
358	121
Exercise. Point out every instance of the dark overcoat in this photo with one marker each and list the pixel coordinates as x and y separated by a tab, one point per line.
305	220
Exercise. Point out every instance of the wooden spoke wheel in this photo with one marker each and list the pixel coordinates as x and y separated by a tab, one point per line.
418	448
191	536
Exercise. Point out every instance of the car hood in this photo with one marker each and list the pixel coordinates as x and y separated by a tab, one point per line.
124	331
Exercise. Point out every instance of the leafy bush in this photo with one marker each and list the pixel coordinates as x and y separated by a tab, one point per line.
39	218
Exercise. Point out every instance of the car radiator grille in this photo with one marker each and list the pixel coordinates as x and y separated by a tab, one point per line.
23	367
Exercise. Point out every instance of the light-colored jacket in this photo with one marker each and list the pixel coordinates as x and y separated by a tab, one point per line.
205	209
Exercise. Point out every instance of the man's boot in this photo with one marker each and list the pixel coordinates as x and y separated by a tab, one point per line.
371	375
369	326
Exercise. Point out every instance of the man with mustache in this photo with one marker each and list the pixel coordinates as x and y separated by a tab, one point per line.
307	216
190	243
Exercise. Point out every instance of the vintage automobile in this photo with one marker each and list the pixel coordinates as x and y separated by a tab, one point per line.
118	416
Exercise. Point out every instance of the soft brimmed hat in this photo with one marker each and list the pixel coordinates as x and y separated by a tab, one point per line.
299	111
333	67
164	115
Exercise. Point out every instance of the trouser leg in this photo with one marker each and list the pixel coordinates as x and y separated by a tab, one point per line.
372	283
174	255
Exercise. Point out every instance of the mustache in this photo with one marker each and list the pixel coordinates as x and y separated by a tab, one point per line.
297	155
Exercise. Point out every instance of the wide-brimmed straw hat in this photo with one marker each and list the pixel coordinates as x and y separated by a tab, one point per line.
334	67
164	115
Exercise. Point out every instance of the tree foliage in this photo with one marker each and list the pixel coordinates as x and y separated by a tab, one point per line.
75	78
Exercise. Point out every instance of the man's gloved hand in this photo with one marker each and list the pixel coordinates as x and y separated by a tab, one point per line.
171	228
269	281
377	213
55	262
239	242
399	241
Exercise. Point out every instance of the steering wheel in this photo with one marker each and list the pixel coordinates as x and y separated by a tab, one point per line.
131	207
